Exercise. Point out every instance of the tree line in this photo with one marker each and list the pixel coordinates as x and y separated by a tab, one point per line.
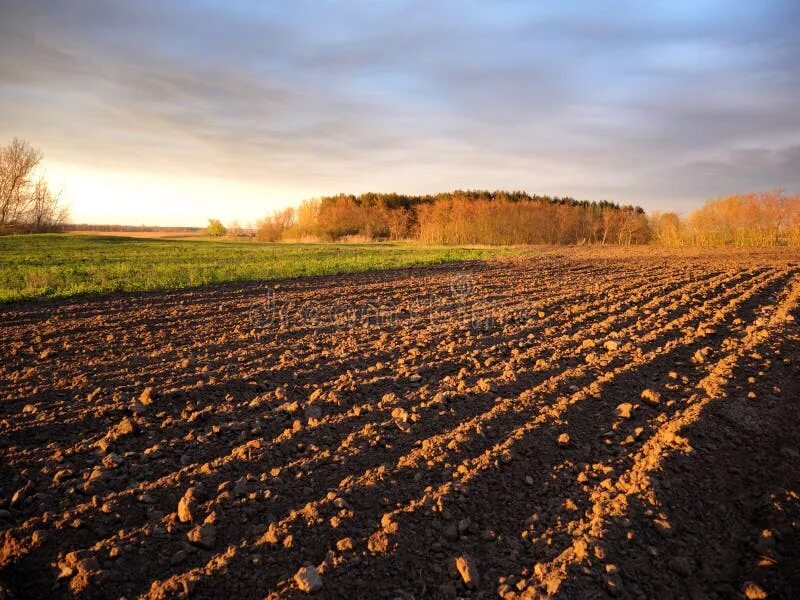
27	204
459	217
125	228
505	218
744	220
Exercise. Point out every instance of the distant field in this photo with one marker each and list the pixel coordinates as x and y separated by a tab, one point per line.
58	266
143	234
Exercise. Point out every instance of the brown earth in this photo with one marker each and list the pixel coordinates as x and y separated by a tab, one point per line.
579	425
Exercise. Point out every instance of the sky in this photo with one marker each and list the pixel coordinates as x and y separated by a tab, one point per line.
170	113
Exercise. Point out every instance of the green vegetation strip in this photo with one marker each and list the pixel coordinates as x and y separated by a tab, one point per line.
60	266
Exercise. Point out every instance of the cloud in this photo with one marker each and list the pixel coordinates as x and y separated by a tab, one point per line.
656	103
741	170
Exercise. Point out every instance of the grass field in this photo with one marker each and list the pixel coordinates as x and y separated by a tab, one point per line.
58	266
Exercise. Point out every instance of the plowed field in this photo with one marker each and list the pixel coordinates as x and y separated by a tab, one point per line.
570	425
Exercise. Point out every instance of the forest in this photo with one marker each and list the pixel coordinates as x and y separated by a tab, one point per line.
460	217
743	220
518	218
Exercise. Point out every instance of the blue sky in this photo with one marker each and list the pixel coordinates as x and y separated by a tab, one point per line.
170	113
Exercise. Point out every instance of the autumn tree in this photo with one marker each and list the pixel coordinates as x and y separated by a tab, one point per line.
666	228
470	217
793	230
273	227
306	221
755	219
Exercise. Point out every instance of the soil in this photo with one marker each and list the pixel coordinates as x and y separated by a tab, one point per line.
578	425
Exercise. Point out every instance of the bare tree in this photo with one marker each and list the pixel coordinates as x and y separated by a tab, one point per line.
26	201
18	161
45	210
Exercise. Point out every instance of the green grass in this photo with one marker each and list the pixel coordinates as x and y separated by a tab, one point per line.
60	266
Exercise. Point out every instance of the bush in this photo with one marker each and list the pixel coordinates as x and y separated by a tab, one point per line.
215	228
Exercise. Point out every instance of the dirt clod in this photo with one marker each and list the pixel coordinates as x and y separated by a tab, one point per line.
624	410
187	506
308	580
651	397
753	591
204	536
468	570
680	565
147	396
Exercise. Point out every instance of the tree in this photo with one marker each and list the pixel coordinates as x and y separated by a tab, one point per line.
666	227
464	217
26	201
235	230
18	160
45	210
272	228
215	228
758	219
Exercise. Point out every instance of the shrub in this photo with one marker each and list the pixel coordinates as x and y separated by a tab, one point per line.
215	228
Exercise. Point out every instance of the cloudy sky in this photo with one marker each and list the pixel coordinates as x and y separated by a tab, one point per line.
173	112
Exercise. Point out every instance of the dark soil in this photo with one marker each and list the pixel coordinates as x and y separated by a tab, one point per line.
580	425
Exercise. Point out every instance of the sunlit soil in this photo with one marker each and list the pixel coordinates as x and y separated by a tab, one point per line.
581	424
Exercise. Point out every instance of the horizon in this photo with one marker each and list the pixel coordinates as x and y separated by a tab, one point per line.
169	116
